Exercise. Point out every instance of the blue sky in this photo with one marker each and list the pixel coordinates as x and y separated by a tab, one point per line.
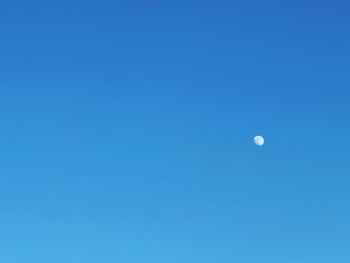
127	131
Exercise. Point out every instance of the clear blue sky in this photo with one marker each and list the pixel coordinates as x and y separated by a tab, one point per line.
127	131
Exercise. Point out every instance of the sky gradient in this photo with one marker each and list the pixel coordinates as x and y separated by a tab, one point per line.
127	131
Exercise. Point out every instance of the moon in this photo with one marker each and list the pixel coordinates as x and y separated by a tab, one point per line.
259	140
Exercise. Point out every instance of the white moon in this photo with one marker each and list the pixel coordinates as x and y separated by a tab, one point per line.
258	140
